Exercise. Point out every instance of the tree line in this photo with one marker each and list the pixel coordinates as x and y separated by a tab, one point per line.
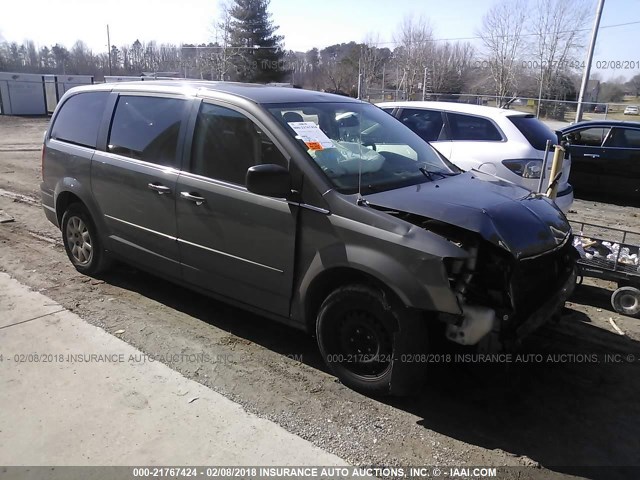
525	48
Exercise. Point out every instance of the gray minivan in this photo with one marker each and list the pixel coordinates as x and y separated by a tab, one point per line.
313	209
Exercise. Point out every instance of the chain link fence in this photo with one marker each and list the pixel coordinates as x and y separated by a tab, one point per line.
553	111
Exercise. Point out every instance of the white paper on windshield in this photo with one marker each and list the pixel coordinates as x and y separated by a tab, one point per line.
311	135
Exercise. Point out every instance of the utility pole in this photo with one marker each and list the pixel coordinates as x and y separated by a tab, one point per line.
540	92
424	83
109	47
359	73
587	67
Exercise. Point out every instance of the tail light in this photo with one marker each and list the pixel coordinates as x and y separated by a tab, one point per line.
525	167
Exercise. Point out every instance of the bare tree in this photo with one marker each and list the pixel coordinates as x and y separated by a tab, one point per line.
221	57
634	83
81	59
502	38
312	58
371	61
340	66
415	46
558	35
450	66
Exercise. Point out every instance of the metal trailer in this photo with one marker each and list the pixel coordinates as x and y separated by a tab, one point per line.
611	254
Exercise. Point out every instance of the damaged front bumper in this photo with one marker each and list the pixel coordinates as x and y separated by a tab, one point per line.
548	309
498	312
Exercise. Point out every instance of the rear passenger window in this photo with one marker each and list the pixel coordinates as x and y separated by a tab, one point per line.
226	144
79	119
623	138
428	124
468	127
146	128
633	138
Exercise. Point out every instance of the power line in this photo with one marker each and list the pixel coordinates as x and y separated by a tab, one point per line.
478	37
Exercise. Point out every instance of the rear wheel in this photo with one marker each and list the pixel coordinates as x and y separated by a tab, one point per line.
370	345
82	242
626	301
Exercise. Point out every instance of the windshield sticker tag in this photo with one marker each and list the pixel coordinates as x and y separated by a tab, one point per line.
311	135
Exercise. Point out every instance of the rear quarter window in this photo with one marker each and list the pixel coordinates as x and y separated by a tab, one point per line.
469	127
536	132
79	119
623	138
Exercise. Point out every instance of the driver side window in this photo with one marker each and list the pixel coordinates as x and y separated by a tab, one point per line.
589	137
428	124
226	143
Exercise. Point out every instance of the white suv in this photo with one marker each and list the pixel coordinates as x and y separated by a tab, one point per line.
507	143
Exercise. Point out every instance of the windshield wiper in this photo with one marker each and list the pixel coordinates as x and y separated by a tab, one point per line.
429	173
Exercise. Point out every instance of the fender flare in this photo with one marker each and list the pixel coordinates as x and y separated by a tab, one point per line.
423	286
72	185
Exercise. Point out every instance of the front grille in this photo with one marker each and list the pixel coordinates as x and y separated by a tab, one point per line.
517	288
536	280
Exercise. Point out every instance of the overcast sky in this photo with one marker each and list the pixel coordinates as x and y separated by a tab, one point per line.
304	23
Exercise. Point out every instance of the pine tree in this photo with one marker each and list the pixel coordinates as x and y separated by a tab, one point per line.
259	54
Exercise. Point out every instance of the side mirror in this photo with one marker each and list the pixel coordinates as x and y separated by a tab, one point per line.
269	180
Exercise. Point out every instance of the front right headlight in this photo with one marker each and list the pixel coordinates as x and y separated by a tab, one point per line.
525	167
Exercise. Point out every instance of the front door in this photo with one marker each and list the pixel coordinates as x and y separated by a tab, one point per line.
588	159
233	242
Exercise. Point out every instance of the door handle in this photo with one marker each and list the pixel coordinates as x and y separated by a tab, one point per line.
193	198
592	155
161	189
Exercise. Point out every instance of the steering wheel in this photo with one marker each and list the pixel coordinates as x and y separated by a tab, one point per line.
369	143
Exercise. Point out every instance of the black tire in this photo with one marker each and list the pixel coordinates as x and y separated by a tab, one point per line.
626	301
82	241
372	344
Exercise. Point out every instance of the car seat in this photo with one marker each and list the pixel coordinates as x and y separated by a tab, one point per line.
292	117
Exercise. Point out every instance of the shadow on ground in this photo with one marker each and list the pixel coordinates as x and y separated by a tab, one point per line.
593	295
577	414
606	198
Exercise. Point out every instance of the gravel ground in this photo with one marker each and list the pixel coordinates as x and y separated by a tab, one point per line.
554	417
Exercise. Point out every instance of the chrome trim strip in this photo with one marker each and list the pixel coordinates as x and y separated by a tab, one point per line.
49	208
213	181
141	228
134	161
313	208
224	184
180	240
138	247
70	144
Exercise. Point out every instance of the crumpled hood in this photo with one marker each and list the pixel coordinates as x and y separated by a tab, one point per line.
502	213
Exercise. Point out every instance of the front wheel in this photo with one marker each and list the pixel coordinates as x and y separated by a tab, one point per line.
370	345
82	242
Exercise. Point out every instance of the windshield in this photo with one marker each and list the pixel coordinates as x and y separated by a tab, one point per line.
360	148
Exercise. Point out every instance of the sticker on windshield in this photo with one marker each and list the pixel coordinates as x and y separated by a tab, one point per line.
311	135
